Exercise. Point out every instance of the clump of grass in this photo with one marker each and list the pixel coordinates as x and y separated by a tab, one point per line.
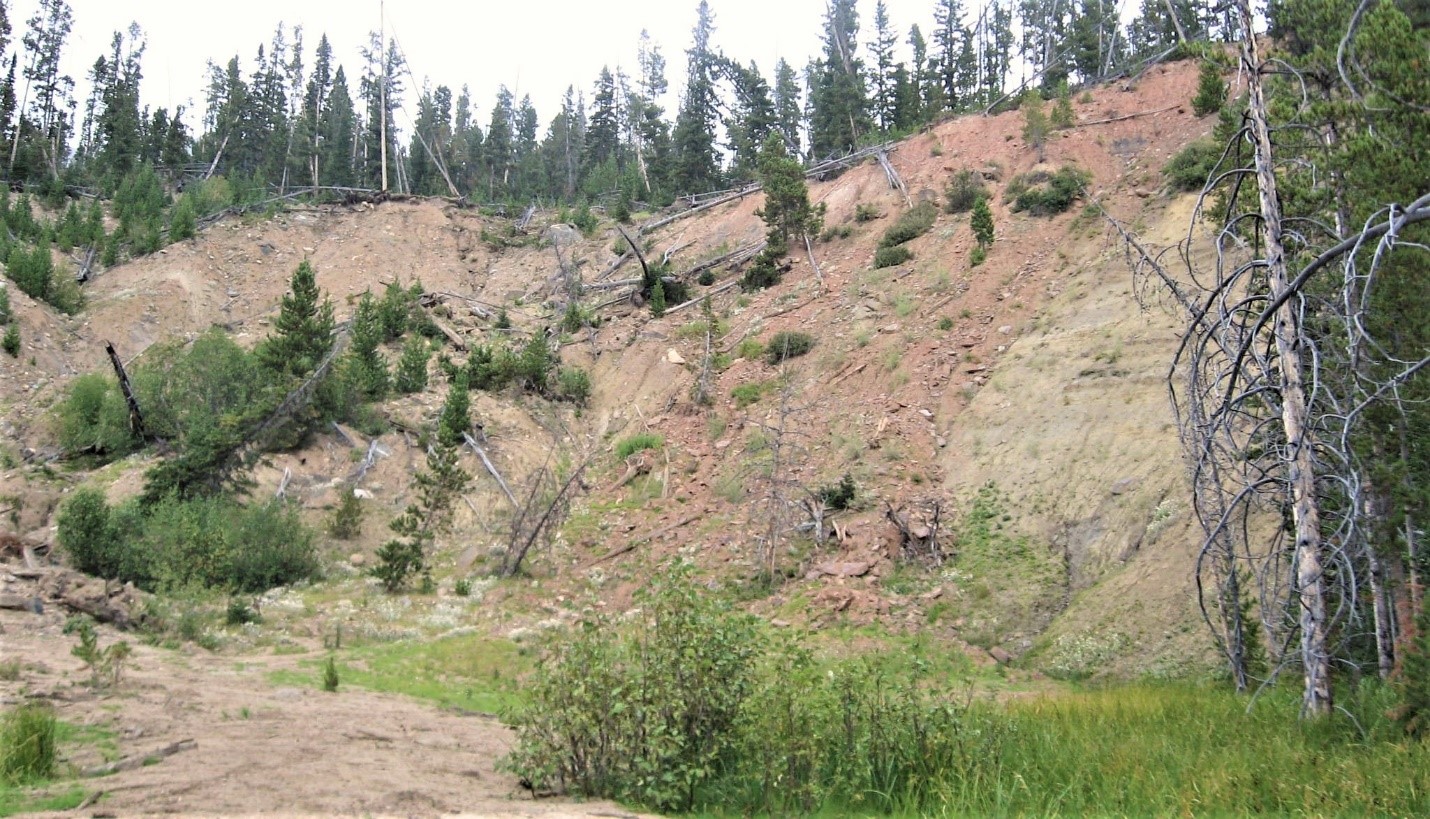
747	394
749	349
27	744
866	212
632	444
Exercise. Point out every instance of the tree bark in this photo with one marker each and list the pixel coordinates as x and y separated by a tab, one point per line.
1300	468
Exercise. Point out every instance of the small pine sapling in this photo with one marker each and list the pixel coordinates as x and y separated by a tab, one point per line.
330	675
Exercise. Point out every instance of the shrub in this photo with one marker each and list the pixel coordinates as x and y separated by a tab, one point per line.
573	384
657	300
749	349
93	417
89	537
1192	166
706	278
5	315
330	675
964	190
866	212
977	256
11	340
630	445
643	713
839	495
462	588
27	744
1048	196
891	256
914	223
786	345
240	612
1062	116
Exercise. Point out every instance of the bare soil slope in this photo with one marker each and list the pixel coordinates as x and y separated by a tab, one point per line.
1037	379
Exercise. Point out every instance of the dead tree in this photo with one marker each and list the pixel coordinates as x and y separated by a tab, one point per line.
136	418
538	518
1271	385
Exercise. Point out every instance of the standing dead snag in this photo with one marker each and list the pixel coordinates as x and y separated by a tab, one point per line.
918	530
136	418
541	513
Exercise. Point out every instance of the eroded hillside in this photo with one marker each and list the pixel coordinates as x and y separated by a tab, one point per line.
1024	397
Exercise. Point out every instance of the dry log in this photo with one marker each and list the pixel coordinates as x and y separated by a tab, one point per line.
661	532
134	761
491	468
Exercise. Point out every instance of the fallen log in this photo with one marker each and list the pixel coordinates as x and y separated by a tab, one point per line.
133	761
491	468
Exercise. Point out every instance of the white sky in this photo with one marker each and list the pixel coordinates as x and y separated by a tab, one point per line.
533	46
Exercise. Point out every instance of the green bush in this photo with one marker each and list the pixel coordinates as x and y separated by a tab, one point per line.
977	256
27	744
1190	169
573	384
1044	195
93	417
10	342
645	713
838	496
912	224
693	705
891	256
346	522
6	316
964	190
204	542
330	675
866	212
786	345
632	444
747	394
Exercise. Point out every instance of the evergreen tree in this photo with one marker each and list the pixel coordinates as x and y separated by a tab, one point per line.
1211	90
787	211
603	134
837	95
884	84
365	364
456	418
412	366
752	118
981	222
949	41
695	166
303	332
788	114
337	131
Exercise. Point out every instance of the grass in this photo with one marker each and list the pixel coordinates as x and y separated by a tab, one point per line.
470	672
1187	749
16	801
630	445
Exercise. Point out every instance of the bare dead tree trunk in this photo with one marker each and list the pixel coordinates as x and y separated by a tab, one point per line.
1301	470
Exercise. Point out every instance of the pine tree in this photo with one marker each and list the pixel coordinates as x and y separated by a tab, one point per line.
788	115
657	299
1211	90
695	168
412	366
884	84
365	363
837	96
455	420
303	331
981	222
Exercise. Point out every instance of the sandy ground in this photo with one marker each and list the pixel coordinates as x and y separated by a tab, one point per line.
262	749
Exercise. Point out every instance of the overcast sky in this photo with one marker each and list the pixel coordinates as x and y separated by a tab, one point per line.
535	47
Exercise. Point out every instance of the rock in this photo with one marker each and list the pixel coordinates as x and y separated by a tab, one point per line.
563	235
362	494
357	559
673	357
19	602
1005	329
1003	657
1123	486
854	568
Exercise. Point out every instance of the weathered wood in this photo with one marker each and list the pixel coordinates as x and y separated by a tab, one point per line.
818	275
1127	116
721	289
491	468
452	336
134	761
342	433
1310	585
640	541
713	203
136	418
895	181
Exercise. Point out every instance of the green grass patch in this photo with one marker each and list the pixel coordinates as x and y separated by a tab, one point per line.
16	801
747	394
469	671
632	444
